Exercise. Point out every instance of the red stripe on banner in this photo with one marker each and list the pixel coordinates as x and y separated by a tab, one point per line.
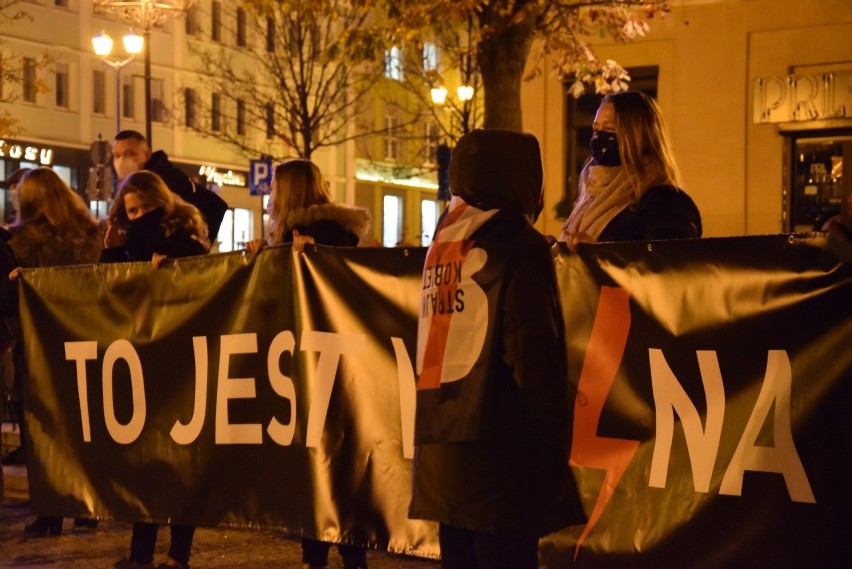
600	365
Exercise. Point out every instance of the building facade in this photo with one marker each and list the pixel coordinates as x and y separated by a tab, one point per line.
756	94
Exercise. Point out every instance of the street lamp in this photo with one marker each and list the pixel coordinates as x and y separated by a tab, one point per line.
102	45
465	95
145	14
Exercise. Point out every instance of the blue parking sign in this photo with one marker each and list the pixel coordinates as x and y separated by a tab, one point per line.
260	176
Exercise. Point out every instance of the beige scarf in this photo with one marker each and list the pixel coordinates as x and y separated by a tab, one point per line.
604	192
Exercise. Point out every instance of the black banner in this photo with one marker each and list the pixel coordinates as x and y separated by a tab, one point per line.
277	390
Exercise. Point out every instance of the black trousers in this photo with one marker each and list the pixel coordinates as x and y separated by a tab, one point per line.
466	549
144	539
315	552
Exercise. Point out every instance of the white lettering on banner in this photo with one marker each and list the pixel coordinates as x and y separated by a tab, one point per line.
703	444
235	388
783	457
669	397
282	385
184	434
407	395
331	347
79	352
124	434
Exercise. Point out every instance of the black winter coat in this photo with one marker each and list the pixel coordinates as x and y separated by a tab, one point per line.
147	236
211	206
663	212
494	405
329	224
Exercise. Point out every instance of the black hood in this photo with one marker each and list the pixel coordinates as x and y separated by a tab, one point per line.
498	169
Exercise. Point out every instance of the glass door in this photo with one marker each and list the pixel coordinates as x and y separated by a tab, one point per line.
818	189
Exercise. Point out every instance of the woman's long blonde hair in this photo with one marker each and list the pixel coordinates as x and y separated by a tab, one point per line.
151	189
642	141
296	184
43	197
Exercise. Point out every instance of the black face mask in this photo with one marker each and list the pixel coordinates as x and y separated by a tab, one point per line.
604	147
146	236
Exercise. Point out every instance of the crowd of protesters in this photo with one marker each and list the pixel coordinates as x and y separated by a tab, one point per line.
477	432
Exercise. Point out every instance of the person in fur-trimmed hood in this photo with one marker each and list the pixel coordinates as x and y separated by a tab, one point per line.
301	211
300	202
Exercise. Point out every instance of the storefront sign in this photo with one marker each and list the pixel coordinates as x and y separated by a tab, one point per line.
28	153
814	96
229	178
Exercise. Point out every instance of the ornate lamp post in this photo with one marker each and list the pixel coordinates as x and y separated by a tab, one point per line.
144	15
102	45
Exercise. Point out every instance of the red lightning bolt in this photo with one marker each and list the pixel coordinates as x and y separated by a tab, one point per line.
602	360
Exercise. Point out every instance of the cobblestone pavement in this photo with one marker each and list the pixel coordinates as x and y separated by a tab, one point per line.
213	548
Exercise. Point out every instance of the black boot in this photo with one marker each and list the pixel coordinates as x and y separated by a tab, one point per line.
44	526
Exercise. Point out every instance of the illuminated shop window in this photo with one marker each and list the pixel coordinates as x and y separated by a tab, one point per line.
236	229
392	221
428	220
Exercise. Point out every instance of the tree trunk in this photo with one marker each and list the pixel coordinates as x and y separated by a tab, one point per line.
502	56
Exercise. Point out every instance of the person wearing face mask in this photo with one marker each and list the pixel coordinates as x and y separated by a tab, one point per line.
628	188
147	222
131	153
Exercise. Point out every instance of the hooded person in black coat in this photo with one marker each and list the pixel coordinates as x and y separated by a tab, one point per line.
494	405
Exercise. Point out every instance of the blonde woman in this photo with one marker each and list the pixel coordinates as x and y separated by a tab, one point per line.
629	186
147	222
301	210
52	227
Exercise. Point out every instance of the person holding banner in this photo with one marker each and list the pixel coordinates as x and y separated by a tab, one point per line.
301	211
131	153
494	405
52	227
629	185
147	222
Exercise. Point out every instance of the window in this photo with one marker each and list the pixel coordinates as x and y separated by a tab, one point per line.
61	87
393	63
241	27
29	79
236	230
128	101
430	146
158	100
391	138
216	21
270	35
99	92
428	221
216	112
392	220
241	117
192	25
430	57
270	120
189	110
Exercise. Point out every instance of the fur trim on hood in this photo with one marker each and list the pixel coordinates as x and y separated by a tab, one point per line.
39	245
353	219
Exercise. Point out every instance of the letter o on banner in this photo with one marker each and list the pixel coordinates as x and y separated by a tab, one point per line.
124	434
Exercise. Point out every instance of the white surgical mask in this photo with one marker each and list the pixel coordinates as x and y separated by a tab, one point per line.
124	167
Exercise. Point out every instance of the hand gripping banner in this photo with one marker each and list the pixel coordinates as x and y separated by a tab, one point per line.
712	426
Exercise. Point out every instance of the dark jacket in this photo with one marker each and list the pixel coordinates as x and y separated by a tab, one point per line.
494	405
663	212
329	224
211	206
146	236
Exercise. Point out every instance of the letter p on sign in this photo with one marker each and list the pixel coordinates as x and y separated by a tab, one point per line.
260	176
